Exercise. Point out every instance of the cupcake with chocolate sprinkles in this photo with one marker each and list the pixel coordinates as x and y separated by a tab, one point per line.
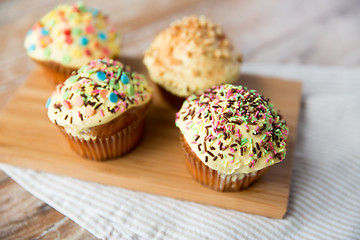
101	109
231	136
189	57
69	37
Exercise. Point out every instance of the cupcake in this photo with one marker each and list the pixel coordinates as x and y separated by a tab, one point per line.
101	109
189	57
69	37
231	136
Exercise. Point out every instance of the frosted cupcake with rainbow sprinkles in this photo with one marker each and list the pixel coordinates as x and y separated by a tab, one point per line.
69	37
101	109
231	136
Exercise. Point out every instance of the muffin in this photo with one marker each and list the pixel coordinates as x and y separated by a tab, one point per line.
101	109
69	37
189	57
231	136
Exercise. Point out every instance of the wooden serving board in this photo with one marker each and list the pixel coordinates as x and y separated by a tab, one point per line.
28	139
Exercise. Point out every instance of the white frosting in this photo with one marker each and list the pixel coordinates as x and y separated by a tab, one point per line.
199	130
86	86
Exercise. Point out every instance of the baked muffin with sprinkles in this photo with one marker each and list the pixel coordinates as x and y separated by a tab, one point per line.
189	57
101	109
231	136
69	37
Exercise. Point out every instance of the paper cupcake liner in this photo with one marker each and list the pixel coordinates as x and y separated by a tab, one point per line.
214	179
101	149
57	72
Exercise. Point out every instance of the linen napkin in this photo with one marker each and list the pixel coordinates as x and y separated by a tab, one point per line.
325	187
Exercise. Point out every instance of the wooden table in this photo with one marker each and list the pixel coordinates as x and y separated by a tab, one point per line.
323	32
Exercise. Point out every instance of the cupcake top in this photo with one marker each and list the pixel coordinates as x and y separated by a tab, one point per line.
72	36
96	94
233	129
190	56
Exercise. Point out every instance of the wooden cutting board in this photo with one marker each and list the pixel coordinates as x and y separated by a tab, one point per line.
28	139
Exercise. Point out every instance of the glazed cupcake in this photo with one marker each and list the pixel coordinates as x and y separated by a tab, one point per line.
69	37
101	109
189	57
231	136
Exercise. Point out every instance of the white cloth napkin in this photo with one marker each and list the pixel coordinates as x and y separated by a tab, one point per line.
325	188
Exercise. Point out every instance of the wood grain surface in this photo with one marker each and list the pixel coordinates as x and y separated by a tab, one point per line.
39	145
324	32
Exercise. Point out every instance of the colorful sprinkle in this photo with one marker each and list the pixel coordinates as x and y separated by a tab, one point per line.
89	111
48	103
67	104
131	90
101	76
66	59
76	53
94	11
89	29
113	97
65	95
102	36
83	41
81	6
73	79
103	93
124	79
114	84
79	101
68	40
44	32
76	31
67	31
106	50
47	52
32	47
87	52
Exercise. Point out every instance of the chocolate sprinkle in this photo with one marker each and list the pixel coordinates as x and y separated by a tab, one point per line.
210	153
98	106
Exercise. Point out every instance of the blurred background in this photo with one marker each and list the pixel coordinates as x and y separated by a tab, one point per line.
317	32
322	32
281	31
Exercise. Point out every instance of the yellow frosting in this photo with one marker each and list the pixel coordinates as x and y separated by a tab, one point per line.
233	130
72	36
98	93
190	56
